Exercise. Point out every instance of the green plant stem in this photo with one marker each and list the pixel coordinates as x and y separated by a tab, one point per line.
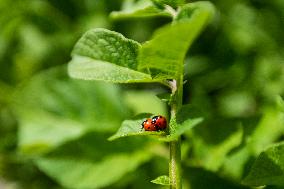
175	149
174	165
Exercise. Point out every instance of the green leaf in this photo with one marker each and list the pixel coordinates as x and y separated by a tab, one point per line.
268	130
235	163
220	151
187	118
109	46
51	111
185	126
172	3
94	150
164	54
271	126
82	174
41	133
105	55
139	9
280	103
134	128
219	137
268	169
162	180
182	128
89	69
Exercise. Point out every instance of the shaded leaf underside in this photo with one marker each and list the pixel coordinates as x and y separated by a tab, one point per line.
90	69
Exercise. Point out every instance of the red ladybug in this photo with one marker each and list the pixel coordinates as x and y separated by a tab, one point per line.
160	122
148	125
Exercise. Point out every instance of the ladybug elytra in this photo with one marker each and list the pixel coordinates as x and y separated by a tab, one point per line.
148	125
157	123
160	122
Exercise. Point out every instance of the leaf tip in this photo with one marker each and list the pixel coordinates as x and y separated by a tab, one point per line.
162	180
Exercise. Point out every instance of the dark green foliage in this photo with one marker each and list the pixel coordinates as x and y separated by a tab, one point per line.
203	179
268	169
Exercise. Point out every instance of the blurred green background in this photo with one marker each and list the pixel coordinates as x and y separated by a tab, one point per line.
54	130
